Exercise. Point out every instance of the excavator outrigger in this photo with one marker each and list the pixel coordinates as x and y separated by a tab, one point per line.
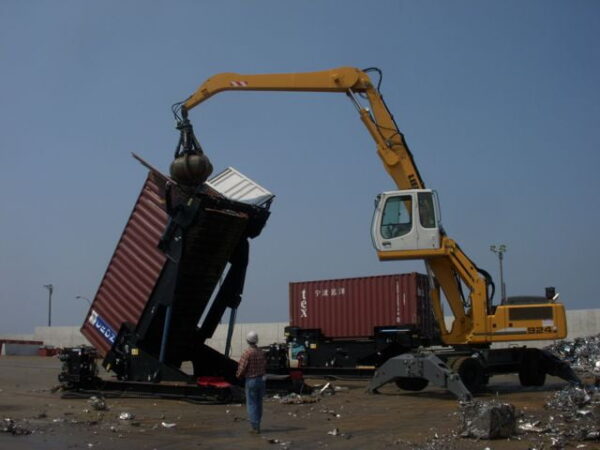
407	226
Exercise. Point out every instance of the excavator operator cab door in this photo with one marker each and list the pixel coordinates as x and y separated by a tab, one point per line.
406	220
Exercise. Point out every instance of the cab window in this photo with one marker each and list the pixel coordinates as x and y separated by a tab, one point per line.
426	210
396	219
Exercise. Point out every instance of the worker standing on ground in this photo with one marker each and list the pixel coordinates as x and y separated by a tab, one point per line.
252	367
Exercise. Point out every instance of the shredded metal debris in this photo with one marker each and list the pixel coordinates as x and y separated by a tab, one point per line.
97	403
437	442
488	420
9	426
297	399
328	389
331	413
336	432
284	444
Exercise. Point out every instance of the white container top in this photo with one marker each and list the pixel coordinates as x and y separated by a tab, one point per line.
236	186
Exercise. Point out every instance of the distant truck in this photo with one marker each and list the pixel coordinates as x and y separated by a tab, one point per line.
350	326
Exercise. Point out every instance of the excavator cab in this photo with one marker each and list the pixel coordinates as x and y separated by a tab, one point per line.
406	220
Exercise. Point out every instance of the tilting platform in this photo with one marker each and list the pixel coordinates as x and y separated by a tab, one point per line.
180	263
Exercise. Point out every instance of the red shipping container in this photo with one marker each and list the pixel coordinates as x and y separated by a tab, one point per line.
133	269
353	307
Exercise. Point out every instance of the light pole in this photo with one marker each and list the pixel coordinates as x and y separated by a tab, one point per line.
50	288
499	250
81	297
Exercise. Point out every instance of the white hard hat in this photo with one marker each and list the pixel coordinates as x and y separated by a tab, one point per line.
252	337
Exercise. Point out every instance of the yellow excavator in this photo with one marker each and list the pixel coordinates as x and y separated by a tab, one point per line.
407	226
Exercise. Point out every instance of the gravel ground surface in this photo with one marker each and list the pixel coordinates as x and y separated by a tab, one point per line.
36	418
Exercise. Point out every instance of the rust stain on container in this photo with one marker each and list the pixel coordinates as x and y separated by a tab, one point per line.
132	271
353	307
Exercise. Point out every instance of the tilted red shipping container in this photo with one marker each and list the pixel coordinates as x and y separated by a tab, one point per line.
353	307
138	267
133	270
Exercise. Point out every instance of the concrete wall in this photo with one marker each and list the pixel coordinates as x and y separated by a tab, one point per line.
268	333
60	336
19	349
580	323
18	337
583	322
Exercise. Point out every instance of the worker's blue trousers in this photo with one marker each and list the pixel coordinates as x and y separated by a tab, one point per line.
255	390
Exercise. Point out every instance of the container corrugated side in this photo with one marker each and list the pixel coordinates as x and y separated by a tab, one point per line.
353	307
132	271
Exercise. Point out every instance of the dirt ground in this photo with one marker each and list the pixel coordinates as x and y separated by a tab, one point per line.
429	419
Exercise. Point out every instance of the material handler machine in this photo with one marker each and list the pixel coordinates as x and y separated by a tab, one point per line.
182	235
407	226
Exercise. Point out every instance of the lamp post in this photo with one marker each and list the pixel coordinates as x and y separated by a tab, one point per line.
499	250
50	288
81	297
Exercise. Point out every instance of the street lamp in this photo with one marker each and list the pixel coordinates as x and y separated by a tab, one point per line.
499	250
50	288
81	297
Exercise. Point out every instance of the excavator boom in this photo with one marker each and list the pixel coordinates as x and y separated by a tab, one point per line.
391	146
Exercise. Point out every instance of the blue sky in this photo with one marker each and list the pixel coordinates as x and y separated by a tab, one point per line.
499	102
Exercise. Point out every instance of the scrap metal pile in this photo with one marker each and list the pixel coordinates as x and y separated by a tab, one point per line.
574	416
583	354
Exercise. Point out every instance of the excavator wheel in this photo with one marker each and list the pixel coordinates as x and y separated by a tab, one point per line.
531	372
471	373
412	384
